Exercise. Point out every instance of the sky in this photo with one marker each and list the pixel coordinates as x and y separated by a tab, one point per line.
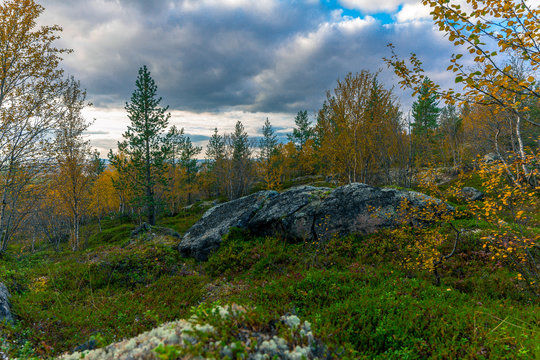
219	61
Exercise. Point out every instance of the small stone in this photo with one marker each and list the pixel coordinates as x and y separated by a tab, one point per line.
472	194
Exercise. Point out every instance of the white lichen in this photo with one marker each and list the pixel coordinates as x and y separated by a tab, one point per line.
291	321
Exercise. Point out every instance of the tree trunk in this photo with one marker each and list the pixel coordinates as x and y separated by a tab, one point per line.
149	192
521	148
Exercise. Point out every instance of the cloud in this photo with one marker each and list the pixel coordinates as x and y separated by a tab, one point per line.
413	12
96	132
219	61
199	126
197	138
372	6
102	145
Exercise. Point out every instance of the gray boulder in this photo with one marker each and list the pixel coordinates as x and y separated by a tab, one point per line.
304	213
310	213
491	157
206	234
471	193
5	312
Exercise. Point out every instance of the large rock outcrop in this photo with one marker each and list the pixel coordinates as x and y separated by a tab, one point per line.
206	234
303	213
5	312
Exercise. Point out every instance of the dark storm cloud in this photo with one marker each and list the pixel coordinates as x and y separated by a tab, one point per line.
209	55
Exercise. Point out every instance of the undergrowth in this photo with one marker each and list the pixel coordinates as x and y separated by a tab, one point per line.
355	291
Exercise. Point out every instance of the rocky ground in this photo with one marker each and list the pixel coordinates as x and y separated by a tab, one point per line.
217	332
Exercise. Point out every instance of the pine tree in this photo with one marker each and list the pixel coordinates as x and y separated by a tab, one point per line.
270	165
303	131
143	142
240	160
268	143
425	110
215	163
189	164
240	143
97	164
174	142
216	147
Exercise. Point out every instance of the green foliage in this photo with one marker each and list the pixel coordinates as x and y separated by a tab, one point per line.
62	299
143	144
174	142
268	143
185	217
356	292
216	147
114	235
167	352
303	130
360	295
425	110
241	163
239	253
240	144
188	160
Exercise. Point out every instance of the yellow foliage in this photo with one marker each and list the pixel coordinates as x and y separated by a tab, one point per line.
359	130
104	196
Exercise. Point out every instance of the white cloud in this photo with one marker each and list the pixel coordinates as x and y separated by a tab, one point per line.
352	26
302	56
413	12
372	6
259	6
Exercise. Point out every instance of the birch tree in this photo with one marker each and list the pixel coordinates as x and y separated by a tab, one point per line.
30	88
73	172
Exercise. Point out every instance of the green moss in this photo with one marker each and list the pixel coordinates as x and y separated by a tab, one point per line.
114	235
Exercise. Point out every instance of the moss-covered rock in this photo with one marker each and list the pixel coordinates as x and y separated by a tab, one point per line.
217	332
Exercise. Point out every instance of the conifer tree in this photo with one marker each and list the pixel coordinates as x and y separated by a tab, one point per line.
425	110
143	142
240	160
240	143
189	164
270	166
215	162
174	141
216	147
425	114
268	143
98	164
303	131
